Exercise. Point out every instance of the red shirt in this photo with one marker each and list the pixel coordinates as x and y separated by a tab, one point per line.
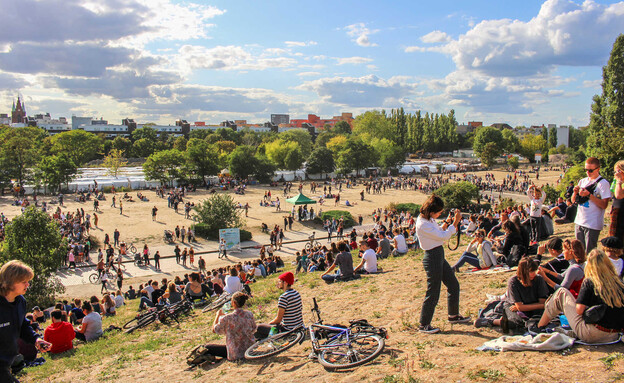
60	334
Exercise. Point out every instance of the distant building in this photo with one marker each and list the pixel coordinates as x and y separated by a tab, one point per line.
563	135
5	119
501	126
464	129
277	119
18	112
476	124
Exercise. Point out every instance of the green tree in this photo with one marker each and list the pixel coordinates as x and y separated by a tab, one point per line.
511	141
342	127
242	161
228	134
19	150
201	161
375	124
165	166
320	161
35	239
143	147
533	144
123	144
323	138
488	144
606	124
179	143
578	138
458	195
114	161
279	150
389	154
355	155
217	212
294	159
513	162
301	137
264	169
54	171
552	137
79	145
145	132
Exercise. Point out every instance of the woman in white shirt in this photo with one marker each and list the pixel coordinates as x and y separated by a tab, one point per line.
233	282
478	253
432	237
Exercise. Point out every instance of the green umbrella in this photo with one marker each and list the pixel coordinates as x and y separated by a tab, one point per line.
300	199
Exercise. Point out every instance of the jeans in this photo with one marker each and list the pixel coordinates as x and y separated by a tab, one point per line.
469	258
145	302
438	271
329	278
589	237
535	223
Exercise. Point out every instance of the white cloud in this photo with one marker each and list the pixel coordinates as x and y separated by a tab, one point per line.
592	83
367	91
415	48
361	34
353	60
435	37
231	58
308	74
299	43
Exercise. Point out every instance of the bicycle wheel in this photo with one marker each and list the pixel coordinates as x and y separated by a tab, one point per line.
275	344
139	322
317	244
308	246
133	249
358	350
217	303
94	278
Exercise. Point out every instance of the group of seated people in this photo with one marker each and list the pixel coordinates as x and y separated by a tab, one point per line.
141	197
586	288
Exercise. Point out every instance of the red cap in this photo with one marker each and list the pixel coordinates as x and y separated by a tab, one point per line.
288	277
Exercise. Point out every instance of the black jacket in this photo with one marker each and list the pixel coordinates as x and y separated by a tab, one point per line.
13	325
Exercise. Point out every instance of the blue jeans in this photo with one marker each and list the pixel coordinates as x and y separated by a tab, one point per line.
469	258
145	302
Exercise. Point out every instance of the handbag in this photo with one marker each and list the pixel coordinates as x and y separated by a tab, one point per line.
594	314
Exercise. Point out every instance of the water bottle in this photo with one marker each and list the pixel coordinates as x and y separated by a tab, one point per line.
273	331
564	321
227	307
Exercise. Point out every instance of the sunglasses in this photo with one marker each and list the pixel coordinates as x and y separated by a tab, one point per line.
590	170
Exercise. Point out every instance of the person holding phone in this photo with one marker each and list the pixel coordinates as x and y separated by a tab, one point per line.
15	279
432	237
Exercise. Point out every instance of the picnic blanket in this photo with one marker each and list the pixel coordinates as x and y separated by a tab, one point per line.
540	342
493	270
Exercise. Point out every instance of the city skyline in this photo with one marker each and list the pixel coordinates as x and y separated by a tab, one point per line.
162	60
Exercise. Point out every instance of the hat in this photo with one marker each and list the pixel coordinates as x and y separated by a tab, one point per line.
288	277
612	242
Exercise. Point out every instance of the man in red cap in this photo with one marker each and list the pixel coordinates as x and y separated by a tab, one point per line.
289	308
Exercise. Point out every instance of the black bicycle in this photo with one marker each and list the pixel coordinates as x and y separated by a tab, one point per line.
336	347
217	302
164	313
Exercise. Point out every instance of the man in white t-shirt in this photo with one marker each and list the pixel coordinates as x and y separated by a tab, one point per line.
592	195
400	245
369	259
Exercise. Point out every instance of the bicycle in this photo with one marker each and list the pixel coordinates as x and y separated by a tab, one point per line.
162	312
96	277
218	302
343	347
312	242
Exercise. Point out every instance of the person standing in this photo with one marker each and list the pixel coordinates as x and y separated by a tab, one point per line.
146	253
119	278
177	253
592	195
116	238
154	211
616	229
432	237
15	279
95	220
222	248
157	260
113	204
120	207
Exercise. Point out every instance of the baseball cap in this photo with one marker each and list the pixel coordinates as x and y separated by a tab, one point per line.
288	277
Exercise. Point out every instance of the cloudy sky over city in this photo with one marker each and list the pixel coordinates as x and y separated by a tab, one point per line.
520	62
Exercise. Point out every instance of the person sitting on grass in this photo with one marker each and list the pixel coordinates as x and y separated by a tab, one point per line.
601	287
344	261
109	306
572	277
238	326
91	327
612	246
59	333
478	253
368	265
554	246
195	290
289	308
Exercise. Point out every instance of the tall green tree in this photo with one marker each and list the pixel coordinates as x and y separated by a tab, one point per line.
533	144
301	137
341	127
124	144
606	126
114	161
242	161
511	141
488	135
552	137
355	155
202	162
146	132
320	161
54	171
165	166
35	239
79	145
389	154
375	124
19	150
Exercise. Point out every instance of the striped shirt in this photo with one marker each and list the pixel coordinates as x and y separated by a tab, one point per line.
290	301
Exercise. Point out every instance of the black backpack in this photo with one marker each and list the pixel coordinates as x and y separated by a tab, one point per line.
515	255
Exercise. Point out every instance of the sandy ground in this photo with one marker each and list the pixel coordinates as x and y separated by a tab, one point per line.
136	226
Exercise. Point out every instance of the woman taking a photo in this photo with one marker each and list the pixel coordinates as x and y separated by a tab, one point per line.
601	287
432	238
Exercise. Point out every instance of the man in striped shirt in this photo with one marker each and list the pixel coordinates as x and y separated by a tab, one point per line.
289	308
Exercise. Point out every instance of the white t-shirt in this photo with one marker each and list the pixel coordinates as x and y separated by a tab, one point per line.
401	244
618	264
232	284
119	300
370	261
589	214
94	326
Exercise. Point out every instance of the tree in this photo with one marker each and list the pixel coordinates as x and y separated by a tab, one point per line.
242	161
179	143
19	150
79	145
321	160
578	138
513	162
458	195
145	132
323	138
375	124
279	150
114	161
294	159
35	239
336	144
532	144
355	155
123	144
201	161
228	134
606	124
143	147
226	147
342	127
217	212
263	168
53	171
485	136
301	137
165	166
511	141
552	137
389	154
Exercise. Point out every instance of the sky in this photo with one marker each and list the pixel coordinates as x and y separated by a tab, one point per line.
519	62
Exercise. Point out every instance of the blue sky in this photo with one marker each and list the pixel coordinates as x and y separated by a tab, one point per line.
522	63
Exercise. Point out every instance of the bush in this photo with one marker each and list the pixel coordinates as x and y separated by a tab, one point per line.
412	208
573	174
458	194
217	212
551	194
507	202
348	218
205	231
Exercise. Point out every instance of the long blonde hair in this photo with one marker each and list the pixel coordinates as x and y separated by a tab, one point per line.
607	284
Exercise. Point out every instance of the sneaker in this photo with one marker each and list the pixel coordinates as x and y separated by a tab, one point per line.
458	319
483	322
428	329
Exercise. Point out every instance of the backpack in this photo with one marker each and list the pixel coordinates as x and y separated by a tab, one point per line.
198	356
515	255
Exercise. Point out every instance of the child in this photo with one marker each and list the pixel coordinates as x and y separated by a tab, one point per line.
535	211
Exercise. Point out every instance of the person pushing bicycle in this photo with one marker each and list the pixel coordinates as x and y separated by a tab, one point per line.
289	309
